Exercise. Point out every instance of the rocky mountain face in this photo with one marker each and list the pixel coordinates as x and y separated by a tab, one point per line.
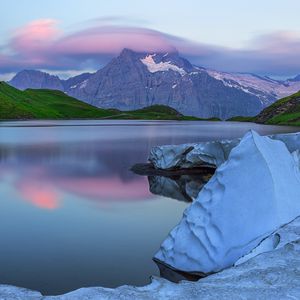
73	82
135	80
36	80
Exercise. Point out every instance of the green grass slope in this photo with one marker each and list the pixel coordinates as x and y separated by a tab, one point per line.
44	104
285	111
154	112
50	104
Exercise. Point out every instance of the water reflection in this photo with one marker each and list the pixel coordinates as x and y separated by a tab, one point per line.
71	212
183	188
88	171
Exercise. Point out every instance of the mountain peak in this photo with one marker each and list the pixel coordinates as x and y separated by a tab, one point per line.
157	58
126	52
35	79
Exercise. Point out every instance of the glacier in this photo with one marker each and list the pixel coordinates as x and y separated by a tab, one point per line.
252	194
212	153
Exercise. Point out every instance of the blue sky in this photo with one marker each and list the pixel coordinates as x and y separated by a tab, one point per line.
225	29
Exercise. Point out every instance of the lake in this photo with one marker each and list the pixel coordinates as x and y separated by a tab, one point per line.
73	215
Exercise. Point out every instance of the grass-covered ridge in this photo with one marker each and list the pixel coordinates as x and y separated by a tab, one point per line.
44	104
285	111
50	104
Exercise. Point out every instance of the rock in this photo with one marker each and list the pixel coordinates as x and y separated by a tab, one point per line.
31	79
252	194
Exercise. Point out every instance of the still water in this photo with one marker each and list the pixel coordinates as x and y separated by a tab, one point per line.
72	214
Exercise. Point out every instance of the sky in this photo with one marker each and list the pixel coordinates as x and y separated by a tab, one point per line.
66	37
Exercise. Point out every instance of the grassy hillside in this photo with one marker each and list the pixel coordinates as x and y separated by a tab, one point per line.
154	112
49	104
285	111
44	104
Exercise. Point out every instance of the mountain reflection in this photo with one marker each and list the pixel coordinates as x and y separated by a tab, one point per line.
42	174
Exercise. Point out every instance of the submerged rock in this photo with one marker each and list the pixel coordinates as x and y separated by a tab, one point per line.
213	153
252	194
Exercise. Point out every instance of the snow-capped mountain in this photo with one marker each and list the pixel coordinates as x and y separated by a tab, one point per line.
135	80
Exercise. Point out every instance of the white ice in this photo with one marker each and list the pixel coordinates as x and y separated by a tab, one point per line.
252	194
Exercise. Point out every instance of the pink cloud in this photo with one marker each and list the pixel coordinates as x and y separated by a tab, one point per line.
112	39
37	35
41	45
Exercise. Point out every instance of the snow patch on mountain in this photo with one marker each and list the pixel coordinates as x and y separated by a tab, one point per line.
256	85
154	67
80	85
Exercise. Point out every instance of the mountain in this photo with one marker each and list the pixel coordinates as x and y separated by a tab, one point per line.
53	104
135	80
31	79
284	111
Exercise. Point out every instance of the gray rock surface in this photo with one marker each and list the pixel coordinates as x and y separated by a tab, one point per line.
31	79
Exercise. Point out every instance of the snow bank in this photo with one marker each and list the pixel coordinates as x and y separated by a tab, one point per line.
214	153
8	292
252	194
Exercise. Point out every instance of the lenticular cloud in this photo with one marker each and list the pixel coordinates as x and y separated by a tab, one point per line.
42	45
